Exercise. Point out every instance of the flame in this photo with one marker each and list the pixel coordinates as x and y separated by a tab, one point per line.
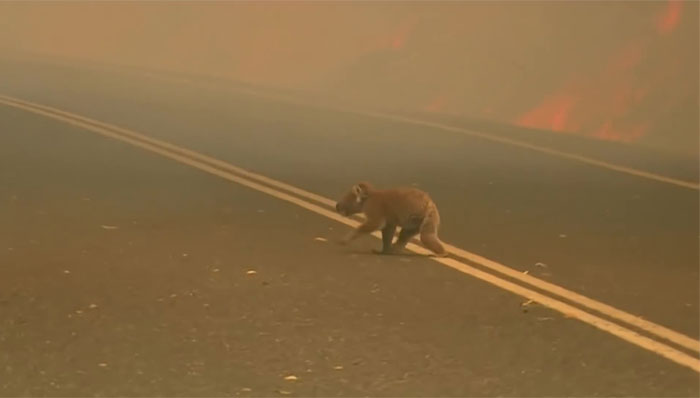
668	20
618	101
611	104
553	113
608	100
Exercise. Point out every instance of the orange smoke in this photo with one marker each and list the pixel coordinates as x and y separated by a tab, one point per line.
668	20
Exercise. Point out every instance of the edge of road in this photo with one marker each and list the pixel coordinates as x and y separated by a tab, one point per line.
473	265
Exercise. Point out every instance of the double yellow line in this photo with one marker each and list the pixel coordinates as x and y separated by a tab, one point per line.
676	347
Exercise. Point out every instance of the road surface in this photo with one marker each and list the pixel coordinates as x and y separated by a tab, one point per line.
128	273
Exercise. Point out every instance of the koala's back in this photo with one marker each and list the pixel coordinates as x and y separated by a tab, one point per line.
403	205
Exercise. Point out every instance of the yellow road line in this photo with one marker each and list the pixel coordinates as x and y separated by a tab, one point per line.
564	308
602	308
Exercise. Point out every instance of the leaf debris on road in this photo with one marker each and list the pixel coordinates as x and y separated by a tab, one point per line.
527	304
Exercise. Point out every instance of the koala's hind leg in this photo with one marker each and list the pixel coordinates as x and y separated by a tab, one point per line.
405	236
429	236
388	233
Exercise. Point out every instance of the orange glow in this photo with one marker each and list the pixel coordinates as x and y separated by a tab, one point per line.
608	132
552	114
628	59
634	64
437	104
396	40
668	21
606	101
399	40
612	103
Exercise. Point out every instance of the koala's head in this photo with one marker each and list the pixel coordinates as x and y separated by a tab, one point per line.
352	202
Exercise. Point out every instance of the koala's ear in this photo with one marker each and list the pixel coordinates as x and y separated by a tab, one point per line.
357	190
361	190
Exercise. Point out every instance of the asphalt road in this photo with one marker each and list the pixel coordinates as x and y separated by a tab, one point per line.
125	273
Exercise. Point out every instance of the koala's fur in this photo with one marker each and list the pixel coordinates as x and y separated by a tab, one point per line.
409	208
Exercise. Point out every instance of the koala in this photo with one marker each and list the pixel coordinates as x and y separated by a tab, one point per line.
409	208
